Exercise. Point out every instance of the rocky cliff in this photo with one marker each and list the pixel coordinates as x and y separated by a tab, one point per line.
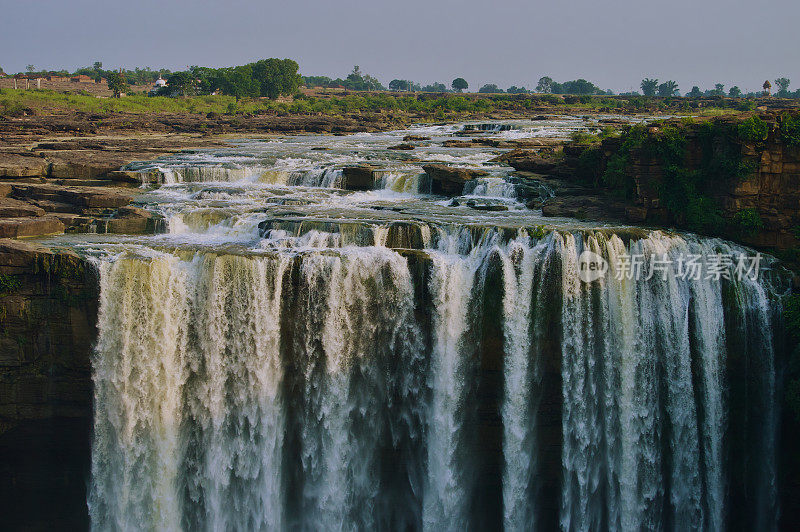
48	308
738	178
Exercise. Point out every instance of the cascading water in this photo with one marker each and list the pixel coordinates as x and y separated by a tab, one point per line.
353	388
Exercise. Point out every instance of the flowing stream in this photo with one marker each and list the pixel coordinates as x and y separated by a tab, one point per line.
290	355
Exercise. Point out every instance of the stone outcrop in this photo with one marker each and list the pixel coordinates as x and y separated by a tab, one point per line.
12	208
531	143
84	161
48	305
32	209
771	189
449	180
528	160
28	226
22	165
358	177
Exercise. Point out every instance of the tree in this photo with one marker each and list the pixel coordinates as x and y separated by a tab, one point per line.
117	83
434	87
399	85
30	69
459	84
273	77
513	89
238	82
317	81
578	86
545	85
181	83
783	87
735	92
490	88
649	86
719	90
358	81
97	66
668	88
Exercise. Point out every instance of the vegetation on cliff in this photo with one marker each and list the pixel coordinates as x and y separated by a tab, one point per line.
696	161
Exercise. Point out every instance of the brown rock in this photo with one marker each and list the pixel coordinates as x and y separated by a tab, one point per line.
16	256
527	161
129	220
126	176
72	221
417	138
33	226
12	208
15	165
585	207
54	206
85	197
457	144
358	178
89	164
402	146
448	180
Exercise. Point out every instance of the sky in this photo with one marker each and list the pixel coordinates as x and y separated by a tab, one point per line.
613	43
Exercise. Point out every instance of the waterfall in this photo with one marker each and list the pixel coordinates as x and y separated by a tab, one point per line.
207	173
409	376
493	187
407	182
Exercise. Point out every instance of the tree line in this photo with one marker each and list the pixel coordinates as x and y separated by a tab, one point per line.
275	77
651	87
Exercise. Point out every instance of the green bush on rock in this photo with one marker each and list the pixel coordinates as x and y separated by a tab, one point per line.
753	130
790	129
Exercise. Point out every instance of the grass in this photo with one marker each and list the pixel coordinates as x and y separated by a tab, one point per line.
34	101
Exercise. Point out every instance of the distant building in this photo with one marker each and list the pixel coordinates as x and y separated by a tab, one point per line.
58	78
158	85
82	78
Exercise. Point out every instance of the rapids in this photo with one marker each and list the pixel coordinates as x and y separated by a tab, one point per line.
291	355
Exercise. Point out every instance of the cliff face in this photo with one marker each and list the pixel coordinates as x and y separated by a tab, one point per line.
714	178
771	189
48	308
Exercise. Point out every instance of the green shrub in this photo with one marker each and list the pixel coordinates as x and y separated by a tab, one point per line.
582	138
748	222
790	129
753	130
589	169
9	283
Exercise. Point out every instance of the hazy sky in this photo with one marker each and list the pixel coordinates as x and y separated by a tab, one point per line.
614	43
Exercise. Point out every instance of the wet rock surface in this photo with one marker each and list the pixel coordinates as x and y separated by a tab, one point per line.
449	180
358	177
